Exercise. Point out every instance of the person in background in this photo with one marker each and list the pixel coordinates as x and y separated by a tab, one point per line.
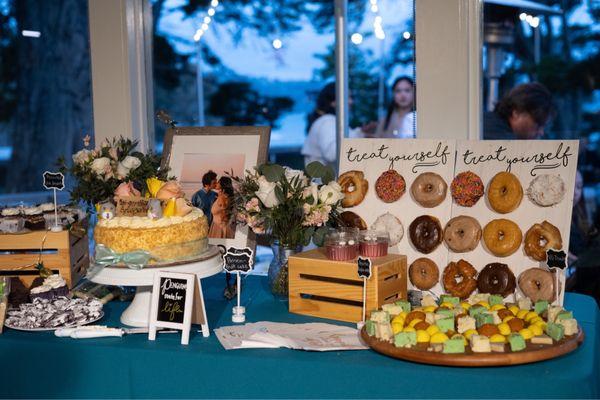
523	113
222	226
320	144
205	197
400	118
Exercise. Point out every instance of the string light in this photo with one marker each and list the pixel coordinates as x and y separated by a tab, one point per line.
206	20
406	35
356	38
533	22
277	44
378	21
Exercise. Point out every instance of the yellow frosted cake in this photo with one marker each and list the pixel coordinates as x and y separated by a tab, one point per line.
169	237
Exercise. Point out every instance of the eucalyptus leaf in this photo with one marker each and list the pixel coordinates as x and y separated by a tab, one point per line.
272	172
319	236
317	170
280	195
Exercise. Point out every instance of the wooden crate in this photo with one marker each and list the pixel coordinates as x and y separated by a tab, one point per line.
64	252
332	289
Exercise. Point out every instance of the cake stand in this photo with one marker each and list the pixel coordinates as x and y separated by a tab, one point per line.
138	313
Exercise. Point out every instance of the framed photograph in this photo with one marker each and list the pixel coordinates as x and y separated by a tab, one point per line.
202	157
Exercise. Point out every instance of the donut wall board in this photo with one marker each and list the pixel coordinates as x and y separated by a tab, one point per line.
527	160
409	158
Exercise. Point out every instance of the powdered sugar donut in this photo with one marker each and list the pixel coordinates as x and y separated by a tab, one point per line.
390	224
546	190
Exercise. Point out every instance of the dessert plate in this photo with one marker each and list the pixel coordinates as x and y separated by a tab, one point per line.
533	353
8	325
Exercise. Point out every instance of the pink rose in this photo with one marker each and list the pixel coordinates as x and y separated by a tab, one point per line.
253	205
126	189
169	190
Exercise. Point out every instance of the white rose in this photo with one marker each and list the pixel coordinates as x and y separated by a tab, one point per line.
312	190
81	156
99	165
266	192
292	173
331	193
127	165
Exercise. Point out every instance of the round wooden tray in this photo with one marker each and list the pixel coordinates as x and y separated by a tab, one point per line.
533	353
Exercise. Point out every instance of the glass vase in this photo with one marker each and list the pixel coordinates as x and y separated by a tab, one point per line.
278	269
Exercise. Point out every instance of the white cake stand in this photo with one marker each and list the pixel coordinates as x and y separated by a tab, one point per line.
137	314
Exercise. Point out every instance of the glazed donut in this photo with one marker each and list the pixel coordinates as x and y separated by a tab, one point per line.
354	186
502	237
390	224
504	192
466	189
390	186
496	278
459	279
423	273
546	190
462	234
537	284
429	189
541	237
425	233
352	220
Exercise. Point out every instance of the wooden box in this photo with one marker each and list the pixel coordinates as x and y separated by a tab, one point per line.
332	289
64	252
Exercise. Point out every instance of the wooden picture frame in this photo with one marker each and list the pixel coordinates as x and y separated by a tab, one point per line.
188	151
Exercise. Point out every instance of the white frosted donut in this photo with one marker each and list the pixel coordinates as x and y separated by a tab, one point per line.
390	224
546	190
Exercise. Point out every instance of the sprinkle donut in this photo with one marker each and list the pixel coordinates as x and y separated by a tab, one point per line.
537	284
505	192
429	189
462	234
424	273
390	186
467	189
502	237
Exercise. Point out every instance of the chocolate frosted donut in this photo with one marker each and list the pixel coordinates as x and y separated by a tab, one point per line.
537	284
390	186
423	273
352	220
425	233
462	234
429	189
496	278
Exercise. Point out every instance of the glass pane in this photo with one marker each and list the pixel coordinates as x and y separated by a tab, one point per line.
541	68
45	92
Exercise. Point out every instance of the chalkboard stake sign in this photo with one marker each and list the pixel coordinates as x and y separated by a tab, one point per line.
177	301
556	260
239	261
54	181
364	272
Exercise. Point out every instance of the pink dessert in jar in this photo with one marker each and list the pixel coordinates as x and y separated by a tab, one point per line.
341	245
373	243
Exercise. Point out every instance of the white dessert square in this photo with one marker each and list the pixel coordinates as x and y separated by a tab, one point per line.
430	318
553	311
477	297
465	323
497	319
570	326
480	344
385	332
428	300
392	309
541	339
497	347
380	316
524	303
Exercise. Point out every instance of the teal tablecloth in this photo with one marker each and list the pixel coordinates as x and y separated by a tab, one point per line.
41	365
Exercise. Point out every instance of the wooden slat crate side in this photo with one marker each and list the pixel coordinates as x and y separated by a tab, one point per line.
33	240
12	261
326	288
324	309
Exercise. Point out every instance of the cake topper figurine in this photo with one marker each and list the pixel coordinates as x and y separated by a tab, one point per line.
107	210
154	209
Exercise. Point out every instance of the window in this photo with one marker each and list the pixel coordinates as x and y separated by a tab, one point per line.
45	91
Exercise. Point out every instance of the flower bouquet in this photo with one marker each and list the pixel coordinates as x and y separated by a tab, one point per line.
291	206
115	164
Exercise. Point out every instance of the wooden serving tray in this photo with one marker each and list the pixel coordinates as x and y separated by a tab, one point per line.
533	353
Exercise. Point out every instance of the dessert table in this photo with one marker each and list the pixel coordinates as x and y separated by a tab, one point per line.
41	365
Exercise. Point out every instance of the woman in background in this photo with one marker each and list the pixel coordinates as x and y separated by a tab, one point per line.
400	118
222	226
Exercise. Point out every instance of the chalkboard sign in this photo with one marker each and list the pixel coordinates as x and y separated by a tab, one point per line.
172	303
364	267
238	260
556	259
54	180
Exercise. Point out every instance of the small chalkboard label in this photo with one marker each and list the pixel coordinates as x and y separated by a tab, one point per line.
54	180
364	267
171	300
238	260
556	259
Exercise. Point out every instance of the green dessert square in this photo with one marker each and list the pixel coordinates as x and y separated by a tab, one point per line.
445	324
404	304
446	298
555	331
370	325
475	310
516	341
495	299
445	312
454	346
484	318
540	306
405	339
564	315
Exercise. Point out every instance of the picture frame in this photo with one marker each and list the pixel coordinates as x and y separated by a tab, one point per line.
189	152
